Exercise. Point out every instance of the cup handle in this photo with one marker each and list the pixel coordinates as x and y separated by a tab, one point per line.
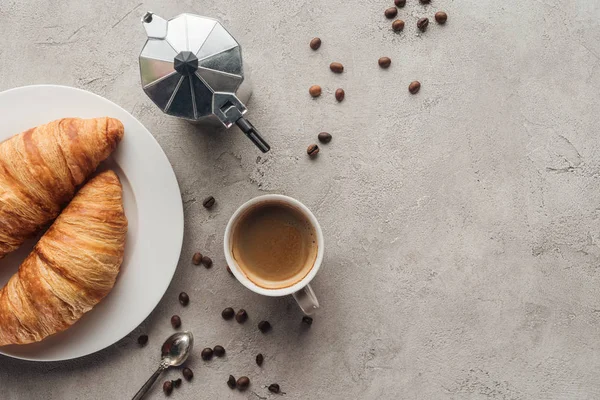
307	300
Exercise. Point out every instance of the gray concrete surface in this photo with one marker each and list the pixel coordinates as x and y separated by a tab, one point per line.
462	224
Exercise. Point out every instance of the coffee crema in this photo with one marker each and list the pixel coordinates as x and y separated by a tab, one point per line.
274	245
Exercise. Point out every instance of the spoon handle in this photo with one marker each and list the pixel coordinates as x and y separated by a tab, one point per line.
142	392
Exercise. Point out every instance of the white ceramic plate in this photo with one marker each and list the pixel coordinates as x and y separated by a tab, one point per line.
152	204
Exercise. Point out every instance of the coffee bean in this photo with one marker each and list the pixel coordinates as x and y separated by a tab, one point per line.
391	12
197	258
324	137
274	388
315	90
231	382
168	387
264	326
241	316
227	313
206	354
176	382
188	374
384	62
307	320
336	67
398	25
229	271
219	351
414	87
175	321
206	261
340	94
259	359
243	383
208	202
441	17
425	1
315	43
400	3
422	24
184	299
312	150
143	340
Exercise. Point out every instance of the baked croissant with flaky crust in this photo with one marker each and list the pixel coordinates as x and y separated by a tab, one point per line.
72	267
40	169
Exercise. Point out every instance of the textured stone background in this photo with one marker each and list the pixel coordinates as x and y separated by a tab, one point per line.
462	224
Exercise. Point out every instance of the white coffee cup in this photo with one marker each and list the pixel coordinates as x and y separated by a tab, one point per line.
301	290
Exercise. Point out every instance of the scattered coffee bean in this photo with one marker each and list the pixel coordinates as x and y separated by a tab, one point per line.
188	374
400	3
241	316
315	43
243	383
398	25
441	17
414	87
168	387
324	137
206	354
315	90
340	94
229	271
184	299
259	359
264	326
208	202
176	382
384	62
307	320
336	67
274	388
227	313
422	24
312	150
207	261
231	382
143	340
175	321
391	12
197	258
219	351
425	1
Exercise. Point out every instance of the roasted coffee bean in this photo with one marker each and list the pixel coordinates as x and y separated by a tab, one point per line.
241	316
143	340
264	326
206	354
414	87
324	137
259	359
207	261
229	271
176	382
197	258
219	351
168	387
391	12
315	43
231	382
336	67
312	150
208	202
398	25
188	374
307	320
425	1
227	313
184	299
422	24
400	3
441	17
243	383
384	62
340	94
274	388
315	90
175	321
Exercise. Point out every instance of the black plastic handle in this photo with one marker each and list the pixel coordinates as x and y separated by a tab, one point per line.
253	134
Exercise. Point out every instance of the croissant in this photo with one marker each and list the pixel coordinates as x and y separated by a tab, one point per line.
40	169
72	267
